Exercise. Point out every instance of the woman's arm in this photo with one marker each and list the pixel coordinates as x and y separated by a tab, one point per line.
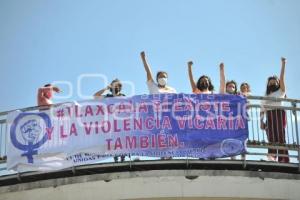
147	67
193	84
222	79
56	89
282	75
100	92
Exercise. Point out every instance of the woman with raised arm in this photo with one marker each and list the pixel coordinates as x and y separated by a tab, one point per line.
230	87
161	79
156	88
203	86
222	79
44	96
275	117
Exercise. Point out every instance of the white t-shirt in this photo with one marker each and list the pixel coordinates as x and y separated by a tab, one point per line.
278	94
154	89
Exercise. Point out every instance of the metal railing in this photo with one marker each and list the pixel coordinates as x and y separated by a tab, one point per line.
258	140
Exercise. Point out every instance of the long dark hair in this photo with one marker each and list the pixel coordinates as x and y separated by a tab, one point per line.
268	89
47	85
210	87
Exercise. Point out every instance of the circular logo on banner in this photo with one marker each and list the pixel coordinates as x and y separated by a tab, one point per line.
231	146
28	135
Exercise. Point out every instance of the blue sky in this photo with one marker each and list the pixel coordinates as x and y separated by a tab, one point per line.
44	41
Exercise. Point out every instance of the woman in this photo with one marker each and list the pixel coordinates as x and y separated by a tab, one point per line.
229	88
160	86
115	88
245	89
203	86
275	117
44	96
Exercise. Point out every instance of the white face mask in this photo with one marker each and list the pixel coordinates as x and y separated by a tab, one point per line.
162	81
230	90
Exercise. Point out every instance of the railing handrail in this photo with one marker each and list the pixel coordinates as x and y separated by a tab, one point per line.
32	108
251	97
275	107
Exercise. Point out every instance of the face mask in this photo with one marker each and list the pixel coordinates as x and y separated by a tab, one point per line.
162	81
203	85
115	90
273	88
230	90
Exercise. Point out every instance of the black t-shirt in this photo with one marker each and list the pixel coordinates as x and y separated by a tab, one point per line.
111	95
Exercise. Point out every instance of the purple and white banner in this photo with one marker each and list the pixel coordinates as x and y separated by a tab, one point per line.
177	125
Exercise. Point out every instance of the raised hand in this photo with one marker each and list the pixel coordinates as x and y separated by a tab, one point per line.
143	55
108	87
56	89
222	66
147	67
222	79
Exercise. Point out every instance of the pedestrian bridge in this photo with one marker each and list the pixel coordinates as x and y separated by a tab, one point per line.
245	177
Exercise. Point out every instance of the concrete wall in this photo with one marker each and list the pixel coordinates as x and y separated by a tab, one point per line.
161	184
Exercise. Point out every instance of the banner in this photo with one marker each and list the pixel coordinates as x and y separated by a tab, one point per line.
177	125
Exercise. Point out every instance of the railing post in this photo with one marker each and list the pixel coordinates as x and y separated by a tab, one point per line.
74	170
187	161
297	133
130	162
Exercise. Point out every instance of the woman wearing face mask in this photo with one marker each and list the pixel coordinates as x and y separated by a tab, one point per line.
229	88
203	86
156	88
161	78
115	88
275	117
245	91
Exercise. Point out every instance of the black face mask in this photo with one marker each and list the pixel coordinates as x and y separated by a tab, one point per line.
204	85
273	88
115	90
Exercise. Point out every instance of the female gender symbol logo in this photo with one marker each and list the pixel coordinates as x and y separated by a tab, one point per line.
30	131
